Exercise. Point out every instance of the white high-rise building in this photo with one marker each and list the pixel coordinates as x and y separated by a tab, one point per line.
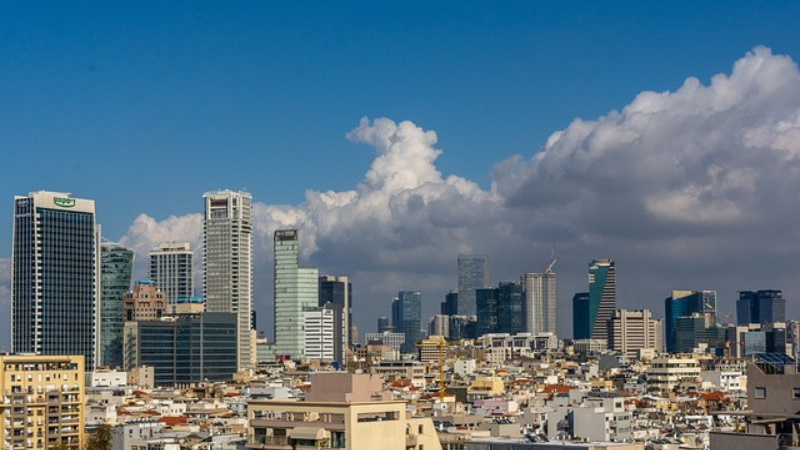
631	331
55	276
540	302
296	291
228	262
319	330
171	270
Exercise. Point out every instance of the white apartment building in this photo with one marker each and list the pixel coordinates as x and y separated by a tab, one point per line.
319	327
631	331
171	269
665	373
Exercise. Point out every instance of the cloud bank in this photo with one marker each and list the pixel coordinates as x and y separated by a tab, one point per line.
687	189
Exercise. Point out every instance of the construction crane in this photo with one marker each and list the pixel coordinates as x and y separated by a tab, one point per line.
552	262
440	344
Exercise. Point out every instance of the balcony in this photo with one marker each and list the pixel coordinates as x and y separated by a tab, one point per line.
271	443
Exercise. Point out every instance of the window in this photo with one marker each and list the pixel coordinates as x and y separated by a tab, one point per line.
796	392
761	393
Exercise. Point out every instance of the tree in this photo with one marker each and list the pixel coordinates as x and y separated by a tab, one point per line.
100	439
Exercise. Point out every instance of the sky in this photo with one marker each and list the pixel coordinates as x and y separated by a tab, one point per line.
396	135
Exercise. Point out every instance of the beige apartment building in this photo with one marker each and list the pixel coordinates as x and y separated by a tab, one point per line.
42	402
145	302
629	332
340	411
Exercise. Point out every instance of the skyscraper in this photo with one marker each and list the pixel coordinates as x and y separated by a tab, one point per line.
54	281
449	306
581	316
685	303
406	318
540	302
486	300
630	331
384	324
764	306
171	269
296	291
510	308
116	264
473	273
602	296
228	262
338	292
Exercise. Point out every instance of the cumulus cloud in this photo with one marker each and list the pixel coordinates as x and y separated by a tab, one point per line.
693	188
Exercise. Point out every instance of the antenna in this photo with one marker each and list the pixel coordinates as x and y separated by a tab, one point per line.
552	262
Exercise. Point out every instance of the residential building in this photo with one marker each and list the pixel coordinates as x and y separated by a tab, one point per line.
320	328
116	265
473	273
172	270
55	240
144	302
684	303
43	400
184	349
499	348
540	302
667	372
407	318
338	293
631	331
764	306
296	290
228	263
339	411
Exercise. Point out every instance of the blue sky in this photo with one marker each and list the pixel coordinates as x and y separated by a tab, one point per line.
144	107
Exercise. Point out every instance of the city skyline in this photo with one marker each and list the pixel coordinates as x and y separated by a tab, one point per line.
652	136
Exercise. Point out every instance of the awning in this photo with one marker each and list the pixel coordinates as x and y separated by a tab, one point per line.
308	433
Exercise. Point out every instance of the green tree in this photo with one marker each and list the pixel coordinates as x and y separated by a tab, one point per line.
100	439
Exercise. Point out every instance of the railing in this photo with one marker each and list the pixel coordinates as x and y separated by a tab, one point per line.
788	441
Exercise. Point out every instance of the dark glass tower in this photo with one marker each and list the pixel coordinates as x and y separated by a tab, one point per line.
685	304
602	296
486	300
765	306
581	317
407	317
473	273
116	264
54	292
338	291
510	308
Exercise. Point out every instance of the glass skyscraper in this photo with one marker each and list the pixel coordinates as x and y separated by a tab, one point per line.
116	264
764	306
473	273
338	292
296	291
581	316
486	300
685	303
54	289
602	296
228	263
510	308
407	318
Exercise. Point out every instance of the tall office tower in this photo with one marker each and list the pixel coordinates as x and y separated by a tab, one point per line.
116	264
473	273
296	290
764	306
44	402
172	271
449	306
581	316
144	302
696	329
510	308
439	326
228	262
319	325
338	292
407	317
684	303
384	324
630	331
54	284
602	295
540	302
486	300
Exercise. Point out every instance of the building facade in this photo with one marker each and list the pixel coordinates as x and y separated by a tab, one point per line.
296	291
320	326
684	303
54	280
407	317
510	308
338	293
116	266
172	270
473	273
631	331
540	302
486	302
602	295
761	307
42	404
144	302
185	349
228	263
